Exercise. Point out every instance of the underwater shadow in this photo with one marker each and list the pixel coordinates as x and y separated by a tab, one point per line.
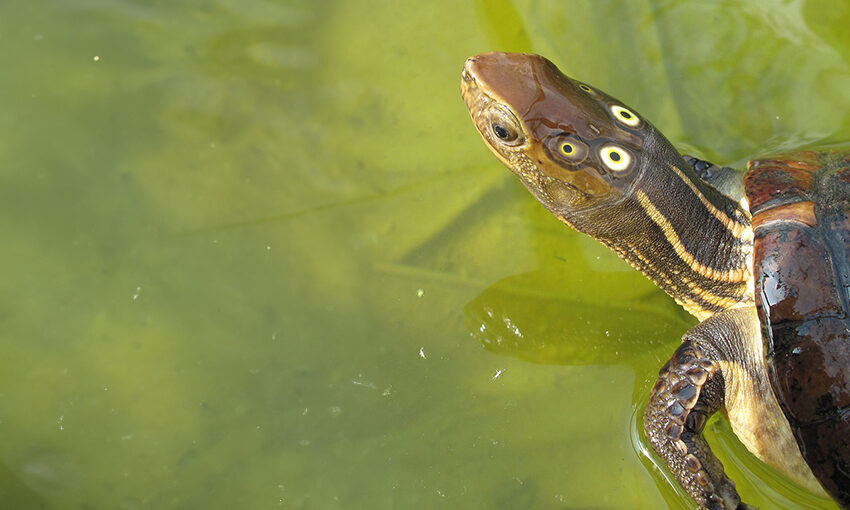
549	318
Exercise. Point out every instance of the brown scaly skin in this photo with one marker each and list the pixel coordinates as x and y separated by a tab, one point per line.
607	172
690	388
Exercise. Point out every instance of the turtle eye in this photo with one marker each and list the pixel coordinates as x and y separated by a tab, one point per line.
568	149
503	127
615	158
504	133
584	87
625	116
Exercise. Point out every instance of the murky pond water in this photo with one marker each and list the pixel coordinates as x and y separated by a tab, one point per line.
257	256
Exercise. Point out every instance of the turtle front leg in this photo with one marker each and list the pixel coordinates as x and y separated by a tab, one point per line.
690	388
724	179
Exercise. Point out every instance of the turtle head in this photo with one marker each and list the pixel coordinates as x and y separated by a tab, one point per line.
604	170
573	146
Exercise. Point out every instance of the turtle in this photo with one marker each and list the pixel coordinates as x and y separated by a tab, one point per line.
761	258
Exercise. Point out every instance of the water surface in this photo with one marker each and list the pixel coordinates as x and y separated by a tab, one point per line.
250	247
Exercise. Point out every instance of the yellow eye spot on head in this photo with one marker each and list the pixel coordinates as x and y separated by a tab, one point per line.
625	116
566	149
584	87
615	158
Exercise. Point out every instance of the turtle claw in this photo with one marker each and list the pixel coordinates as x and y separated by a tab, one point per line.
688	391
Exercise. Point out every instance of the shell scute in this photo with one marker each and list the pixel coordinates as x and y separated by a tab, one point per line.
827	444
809	367
795	280
771	183
801	263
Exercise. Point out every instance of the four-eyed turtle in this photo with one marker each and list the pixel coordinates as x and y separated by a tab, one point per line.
761	261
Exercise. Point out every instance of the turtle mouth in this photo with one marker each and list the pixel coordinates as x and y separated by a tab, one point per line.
467	73
479	101
474	96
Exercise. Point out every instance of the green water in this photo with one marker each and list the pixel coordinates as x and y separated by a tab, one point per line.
250	247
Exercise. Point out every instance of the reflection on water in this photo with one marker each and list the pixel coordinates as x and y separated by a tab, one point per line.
540	319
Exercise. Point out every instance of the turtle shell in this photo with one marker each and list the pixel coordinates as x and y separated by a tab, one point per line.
801	220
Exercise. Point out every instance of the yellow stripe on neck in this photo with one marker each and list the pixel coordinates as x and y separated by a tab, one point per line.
731	275
737	229
631	254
